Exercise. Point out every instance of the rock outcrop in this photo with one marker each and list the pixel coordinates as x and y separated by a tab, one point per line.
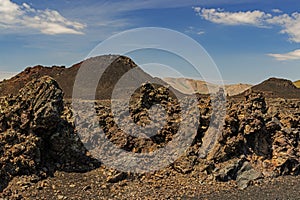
264	137
34	138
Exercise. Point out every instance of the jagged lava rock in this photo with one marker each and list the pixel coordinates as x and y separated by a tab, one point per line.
33	135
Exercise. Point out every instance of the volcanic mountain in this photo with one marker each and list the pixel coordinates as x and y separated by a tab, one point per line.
276	88
111	67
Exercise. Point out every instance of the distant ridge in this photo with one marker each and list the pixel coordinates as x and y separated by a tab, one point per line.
297	83
65	77
190	86
276	88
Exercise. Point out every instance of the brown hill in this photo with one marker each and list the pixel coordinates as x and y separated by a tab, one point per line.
276	88
190	86
117	67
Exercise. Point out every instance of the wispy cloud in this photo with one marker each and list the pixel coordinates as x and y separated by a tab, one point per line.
277	10
129	5
220	16
289	24
200	32
193	30
294	55
19	17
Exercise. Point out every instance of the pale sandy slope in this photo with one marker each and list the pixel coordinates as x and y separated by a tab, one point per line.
297	83
190	86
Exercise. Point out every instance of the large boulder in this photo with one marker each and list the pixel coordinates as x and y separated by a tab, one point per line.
33	134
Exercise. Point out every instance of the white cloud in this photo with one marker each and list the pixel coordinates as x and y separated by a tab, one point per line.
294	55
290	24
220	16
276	10
201	33
14	16
193	30
197	9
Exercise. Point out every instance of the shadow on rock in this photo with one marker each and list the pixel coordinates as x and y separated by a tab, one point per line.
35	139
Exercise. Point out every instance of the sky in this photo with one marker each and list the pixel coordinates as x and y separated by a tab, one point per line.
249	40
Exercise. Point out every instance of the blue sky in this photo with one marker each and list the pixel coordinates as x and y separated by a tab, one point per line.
249	41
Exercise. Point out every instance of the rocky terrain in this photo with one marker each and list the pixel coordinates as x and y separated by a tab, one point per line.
191	86
35	139
49	151
43	157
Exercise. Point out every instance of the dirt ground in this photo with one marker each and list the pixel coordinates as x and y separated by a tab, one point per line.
93	185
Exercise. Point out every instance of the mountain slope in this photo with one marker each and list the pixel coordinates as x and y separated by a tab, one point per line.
276	88
190	86
112	67
297	83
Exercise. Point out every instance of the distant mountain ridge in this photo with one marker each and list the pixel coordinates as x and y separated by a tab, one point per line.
297	83
120	65
190	86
